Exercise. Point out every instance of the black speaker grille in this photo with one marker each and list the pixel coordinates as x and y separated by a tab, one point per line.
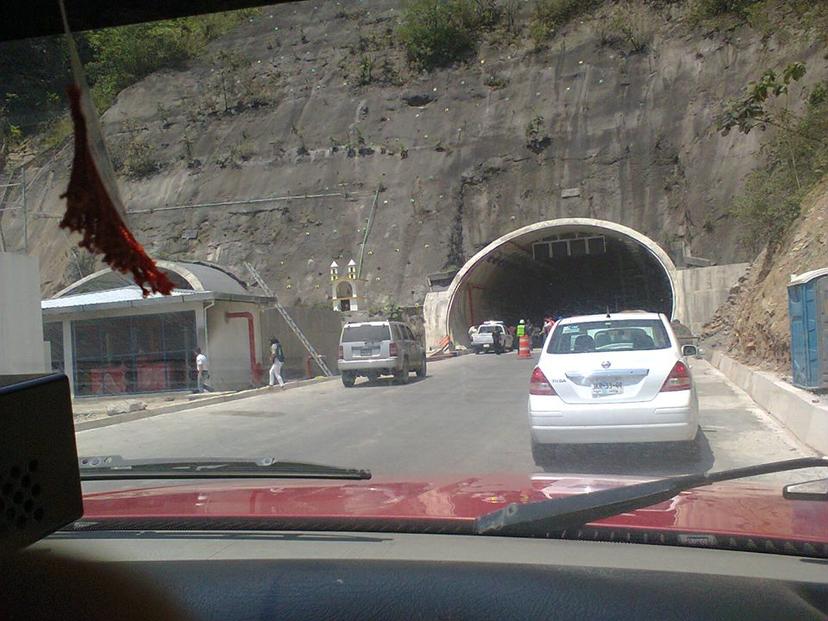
20	497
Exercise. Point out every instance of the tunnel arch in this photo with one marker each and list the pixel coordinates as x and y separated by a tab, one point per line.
458	316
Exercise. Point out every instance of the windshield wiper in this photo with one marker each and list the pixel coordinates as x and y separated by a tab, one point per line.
109	467
559	514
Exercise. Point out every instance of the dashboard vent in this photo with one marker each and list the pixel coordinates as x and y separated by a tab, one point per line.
20	496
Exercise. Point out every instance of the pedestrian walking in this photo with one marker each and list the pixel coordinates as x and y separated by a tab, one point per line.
203	373
472	332
277	359
497	340
522	331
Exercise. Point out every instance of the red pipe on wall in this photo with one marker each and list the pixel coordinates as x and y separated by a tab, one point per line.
255	369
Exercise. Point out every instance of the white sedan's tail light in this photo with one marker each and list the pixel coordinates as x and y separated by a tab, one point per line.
341	354
539	385
679	378
393	351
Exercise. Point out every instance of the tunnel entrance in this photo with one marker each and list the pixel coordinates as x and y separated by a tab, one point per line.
570	267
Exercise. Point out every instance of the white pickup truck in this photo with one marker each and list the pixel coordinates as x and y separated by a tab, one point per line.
482	339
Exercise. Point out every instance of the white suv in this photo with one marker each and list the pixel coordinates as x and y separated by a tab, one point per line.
612	378
374	348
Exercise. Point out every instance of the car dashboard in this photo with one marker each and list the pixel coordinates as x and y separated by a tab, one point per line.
226	575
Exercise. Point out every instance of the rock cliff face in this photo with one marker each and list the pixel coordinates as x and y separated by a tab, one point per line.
460	156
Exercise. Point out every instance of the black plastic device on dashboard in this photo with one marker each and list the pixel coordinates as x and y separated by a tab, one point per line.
40	489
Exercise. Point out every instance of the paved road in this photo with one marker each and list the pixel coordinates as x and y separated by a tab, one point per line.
467	417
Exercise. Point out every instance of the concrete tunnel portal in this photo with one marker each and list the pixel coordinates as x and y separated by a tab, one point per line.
568	266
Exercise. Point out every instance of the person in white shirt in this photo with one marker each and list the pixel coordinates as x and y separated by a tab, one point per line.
201	367
277	359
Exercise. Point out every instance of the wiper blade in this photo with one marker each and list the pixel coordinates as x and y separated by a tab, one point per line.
109	467
559	514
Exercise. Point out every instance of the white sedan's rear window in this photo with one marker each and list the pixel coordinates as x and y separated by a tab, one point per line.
609	335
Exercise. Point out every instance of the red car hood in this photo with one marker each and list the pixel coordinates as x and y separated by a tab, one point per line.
723	509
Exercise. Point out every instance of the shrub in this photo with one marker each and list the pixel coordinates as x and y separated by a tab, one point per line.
536	137
438	32
796	160
633	26
121	56
366	70
496	82
139	160
550	15
702	9
58	130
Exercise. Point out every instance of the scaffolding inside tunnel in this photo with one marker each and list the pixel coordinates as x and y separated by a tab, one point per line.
571	267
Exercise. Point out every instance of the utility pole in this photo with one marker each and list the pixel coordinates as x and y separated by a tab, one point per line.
25	212
368	226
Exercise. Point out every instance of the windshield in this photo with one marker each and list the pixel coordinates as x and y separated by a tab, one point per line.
352	334
339	196
623	335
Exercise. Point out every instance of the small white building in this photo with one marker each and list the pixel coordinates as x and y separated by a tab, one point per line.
109	339
348	289
21	329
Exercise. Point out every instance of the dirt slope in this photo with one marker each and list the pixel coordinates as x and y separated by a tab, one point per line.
632	131
753	325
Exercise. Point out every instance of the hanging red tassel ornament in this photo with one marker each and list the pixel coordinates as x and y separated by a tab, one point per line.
91	212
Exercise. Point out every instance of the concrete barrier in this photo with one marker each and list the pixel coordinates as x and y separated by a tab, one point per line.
791	406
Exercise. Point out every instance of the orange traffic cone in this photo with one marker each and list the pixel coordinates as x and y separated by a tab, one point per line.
523	347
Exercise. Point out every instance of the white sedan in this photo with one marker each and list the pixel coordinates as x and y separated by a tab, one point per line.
612	378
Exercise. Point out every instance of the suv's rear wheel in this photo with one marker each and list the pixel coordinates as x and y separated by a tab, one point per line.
421	371
348	379
401	376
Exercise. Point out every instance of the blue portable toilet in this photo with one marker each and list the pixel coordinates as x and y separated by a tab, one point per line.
808	313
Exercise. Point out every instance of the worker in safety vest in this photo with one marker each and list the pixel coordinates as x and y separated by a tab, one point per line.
521	329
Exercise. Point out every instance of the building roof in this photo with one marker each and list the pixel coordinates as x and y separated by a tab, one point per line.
105	289
132	297
184	275
801	279
121	294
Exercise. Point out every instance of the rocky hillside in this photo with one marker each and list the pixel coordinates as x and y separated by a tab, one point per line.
316	101
753	325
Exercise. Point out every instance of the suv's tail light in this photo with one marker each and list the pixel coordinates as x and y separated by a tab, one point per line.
679	378
393	351
539	385
341	354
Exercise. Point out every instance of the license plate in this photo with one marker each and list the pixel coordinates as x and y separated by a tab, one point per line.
367	352
602	389
485	346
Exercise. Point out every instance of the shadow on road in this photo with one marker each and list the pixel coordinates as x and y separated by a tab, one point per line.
653	459
386	381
